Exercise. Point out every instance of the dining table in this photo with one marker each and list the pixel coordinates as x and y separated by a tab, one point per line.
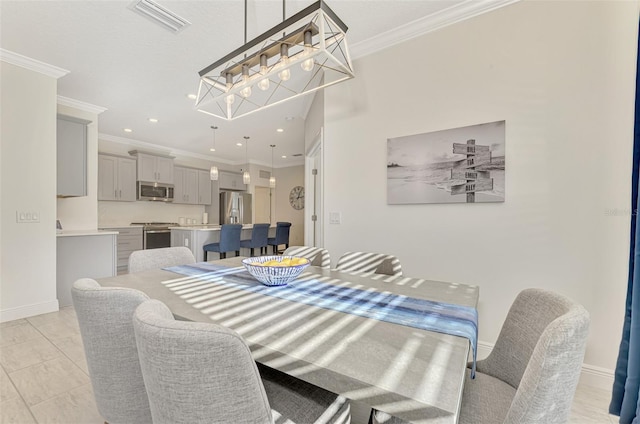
415	374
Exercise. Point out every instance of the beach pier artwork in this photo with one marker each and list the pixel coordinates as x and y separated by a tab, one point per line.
475	180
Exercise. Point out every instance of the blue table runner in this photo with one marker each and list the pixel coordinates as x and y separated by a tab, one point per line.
440	317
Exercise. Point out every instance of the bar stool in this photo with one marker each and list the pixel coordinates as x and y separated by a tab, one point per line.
282	236
229	241
259	237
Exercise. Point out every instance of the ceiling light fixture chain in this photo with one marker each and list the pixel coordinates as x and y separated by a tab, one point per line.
313	38
213	172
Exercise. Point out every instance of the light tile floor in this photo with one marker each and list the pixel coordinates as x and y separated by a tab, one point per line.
44	377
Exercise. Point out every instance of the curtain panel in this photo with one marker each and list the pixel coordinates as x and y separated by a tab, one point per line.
625	401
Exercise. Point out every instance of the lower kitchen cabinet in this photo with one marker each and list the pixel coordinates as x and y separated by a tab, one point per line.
129	240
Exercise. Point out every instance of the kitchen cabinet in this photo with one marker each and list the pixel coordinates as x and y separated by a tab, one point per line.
230	181
186	185
154	168
116	178
129	240
71	146
204	187
192	186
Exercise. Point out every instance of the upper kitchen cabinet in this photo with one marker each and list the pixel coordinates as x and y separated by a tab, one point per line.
71	143
192	186
230	181
186	185
116	178
204	187
154	168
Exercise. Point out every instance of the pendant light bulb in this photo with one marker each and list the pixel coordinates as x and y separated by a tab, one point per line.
246	177
246	91
231	97
307	64
263	84
213	172
285	74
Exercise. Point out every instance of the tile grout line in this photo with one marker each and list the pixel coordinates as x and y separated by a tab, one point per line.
64	355
24	401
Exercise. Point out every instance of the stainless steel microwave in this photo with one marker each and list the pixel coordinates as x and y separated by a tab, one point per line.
155	192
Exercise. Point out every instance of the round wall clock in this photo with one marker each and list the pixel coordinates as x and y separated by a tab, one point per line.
296	197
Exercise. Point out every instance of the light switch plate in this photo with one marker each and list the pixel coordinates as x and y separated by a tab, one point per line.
335	218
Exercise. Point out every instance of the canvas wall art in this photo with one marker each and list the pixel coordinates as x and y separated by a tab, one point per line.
460	165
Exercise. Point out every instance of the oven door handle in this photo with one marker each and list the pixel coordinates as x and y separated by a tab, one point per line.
157	231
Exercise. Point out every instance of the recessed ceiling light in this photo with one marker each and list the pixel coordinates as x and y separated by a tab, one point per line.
154	120
280	130
192	96
238	144
284	156
128	130
212	149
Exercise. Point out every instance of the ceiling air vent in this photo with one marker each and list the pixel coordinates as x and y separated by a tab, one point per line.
160	15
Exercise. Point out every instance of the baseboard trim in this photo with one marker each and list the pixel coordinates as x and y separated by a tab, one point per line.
591	375
29	310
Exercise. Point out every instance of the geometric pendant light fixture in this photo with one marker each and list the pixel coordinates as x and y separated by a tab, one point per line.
273	68
213	172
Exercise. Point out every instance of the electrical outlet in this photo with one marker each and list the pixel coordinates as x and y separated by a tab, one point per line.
335	218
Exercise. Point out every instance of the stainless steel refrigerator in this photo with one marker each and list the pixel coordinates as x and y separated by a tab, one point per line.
235	207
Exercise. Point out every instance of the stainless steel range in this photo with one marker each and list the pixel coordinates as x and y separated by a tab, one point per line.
156	234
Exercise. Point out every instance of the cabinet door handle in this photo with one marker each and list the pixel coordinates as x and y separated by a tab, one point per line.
120	194
115	194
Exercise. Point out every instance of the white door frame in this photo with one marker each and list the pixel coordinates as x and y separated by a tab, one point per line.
314	159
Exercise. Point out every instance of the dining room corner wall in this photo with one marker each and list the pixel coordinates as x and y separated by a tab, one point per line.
564	86
27	185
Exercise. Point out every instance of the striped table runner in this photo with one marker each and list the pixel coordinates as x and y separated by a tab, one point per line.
440	317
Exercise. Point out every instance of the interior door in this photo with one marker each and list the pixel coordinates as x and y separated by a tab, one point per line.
263	204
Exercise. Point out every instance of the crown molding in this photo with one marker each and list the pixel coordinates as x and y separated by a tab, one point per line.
77	104
451	15
32	64
161	149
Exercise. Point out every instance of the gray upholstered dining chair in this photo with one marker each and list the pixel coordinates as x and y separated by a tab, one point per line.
105	316
369	263
144	260
317	255
198	372
531	374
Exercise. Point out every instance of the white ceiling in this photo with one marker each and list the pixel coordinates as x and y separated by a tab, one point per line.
138	70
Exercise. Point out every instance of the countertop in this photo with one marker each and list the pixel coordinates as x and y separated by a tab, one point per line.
108	227
76	233
208	227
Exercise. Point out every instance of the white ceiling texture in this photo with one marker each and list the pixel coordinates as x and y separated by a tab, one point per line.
138	70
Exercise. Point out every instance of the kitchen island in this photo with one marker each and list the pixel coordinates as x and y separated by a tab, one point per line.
196	236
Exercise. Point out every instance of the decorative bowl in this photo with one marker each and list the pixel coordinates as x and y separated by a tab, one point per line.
278	274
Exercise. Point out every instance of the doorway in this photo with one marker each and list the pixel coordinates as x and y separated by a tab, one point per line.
314	185
262	204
